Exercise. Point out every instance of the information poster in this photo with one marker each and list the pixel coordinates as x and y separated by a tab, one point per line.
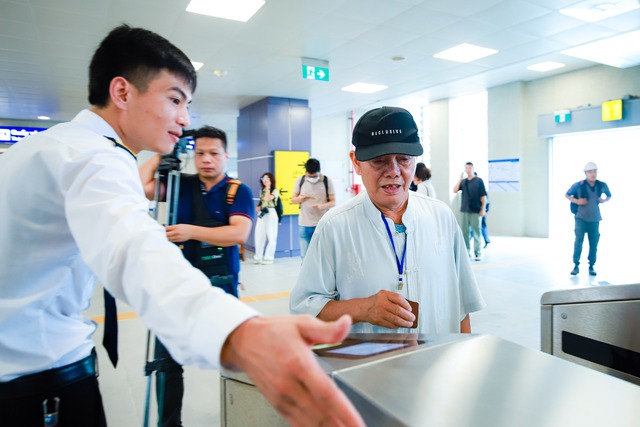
504	175
289	165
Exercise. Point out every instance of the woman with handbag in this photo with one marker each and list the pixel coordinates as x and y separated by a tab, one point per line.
266	233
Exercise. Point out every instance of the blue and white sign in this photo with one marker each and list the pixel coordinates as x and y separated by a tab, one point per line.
11	134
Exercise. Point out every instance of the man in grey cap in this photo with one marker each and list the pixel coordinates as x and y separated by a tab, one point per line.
585	197
393	259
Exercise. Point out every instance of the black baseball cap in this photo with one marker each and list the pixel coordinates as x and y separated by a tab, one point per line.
386	130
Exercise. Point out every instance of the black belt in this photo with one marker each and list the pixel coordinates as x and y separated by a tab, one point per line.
51	379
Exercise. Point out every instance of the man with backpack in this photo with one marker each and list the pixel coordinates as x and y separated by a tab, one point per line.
215	215
314	193
585	197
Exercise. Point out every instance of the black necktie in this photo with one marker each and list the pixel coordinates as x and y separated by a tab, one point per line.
110	338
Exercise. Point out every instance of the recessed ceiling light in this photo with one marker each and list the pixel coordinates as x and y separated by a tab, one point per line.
621	51
545	66
235	10
597	10
44	118
219	72
197	65
364	88
465	52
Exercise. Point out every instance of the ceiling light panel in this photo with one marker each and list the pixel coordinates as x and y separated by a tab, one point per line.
235	10
545	66
621	51
597	10
364	88
465	52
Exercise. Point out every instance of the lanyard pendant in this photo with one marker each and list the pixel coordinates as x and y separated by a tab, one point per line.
400	283
51	414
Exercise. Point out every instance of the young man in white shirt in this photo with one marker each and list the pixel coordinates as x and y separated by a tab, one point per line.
74	213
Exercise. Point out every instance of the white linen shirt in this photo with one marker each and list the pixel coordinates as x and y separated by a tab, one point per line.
350	256
73	212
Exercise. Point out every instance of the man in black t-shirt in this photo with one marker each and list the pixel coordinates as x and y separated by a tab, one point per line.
474	197
587	195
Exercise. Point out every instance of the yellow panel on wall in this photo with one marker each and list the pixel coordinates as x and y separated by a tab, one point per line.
289	166
612	110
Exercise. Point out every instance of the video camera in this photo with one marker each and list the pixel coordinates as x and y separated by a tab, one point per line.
170	162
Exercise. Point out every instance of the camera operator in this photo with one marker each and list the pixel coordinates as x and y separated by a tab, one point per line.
209	230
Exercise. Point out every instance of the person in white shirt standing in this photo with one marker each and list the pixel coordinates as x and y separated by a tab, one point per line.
266	233
422	180
74	213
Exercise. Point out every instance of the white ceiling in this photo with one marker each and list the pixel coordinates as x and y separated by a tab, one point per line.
46	45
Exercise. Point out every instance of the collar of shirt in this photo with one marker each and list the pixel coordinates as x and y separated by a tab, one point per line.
373	214
95	123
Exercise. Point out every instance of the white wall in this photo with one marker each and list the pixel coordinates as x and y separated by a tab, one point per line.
590	86
513	111
330	144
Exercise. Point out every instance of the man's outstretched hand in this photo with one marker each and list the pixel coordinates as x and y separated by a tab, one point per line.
275	353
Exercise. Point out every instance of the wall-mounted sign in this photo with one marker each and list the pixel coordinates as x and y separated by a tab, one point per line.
289	165
315	69
562	116
612	110
13	134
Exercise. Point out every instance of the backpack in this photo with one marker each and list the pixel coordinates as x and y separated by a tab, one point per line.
573	206
279	208
324	180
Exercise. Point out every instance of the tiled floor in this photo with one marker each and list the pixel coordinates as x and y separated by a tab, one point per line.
513	275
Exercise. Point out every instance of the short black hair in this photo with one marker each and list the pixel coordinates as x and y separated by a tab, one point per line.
210	132
312	166
422	172
468	163
138	55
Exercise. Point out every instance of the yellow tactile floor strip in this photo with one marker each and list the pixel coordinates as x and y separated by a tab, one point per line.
285	294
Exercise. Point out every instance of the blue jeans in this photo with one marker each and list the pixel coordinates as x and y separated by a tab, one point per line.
305	237
593	233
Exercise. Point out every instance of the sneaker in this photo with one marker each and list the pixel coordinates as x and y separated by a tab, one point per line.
266	261
478	258
592	272
257	260
485	245
575	270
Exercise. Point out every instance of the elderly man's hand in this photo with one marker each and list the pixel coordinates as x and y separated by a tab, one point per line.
389	310
275	353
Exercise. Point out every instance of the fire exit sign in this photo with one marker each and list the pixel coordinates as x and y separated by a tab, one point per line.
312	72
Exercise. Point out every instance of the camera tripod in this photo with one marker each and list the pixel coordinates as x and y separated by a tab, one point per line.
168	171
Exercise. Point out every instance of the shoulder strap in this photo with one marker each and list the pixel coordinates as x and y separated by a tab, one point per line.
326	185
301	182
199	210
232	189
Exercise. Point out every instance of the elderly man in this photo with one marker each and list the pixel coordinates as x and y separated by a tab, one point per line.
393	259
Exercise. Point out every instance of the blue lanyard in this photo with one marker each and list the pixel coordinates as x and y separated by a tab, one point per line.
399	262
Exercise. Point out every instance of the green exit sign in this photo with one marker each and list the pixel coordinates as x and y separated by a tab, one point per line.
315	73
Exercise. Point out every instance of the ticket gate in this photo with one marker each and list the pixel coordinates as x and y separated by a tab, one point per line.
456	381
596	327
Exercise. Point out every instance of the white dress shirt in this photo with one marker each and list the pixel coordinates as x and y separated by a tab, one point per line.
73	213
350	256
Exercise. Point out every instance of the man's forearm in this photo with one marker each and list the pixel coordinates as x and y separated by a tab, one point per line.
333	310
